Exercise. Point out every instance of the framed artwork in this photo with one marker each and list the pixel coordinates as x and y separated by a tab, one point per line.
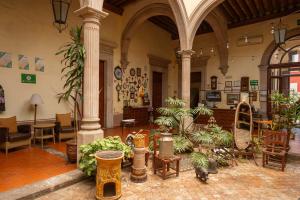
232	98
213	96
237	83
245	84
23	62
253	95
39	64
138	72
228	89
132	72
5	60
228	84
213	82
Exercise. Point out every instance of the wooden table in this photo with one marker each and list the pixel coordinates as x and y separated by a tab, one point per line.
41	137
259	125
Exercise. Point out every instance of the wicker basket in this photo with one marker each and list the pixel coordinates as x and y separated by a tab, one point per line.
71	151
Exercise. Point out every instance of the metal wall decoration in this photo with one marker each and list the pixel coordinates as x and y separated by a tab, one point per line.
2	99
132	86
214	82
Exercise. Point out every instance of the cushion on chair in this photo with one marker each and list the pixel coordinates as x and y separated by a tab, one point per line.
64	119
67	129
10	123
18	136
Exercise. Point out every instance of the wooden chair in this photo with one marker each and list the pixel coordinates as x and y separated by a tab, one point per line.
164	165
275	148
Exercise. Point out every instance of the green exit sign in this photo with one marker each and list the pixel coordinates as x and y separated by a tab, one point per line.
28	78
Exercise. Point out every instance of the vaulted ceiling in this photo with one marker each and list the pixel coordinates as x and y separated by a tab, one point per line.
237	12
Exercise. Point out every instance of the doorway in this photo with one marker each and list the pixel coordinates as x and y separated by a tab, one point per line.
101	93
157	92
195	89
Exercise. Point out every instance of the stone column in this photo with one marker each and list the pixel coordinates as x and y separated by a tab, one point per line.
186	75
90	127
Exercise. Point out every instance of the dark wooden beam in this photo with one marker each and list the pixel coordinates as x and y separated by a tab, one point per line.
113	8
229	18
267	17
230	11
237	9
268	7
244	8
165	26
259	6
275	5
252	7
126	2
283	5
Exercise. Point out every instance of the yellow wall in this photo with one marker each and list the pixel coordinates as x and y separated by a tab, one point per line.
26	28
243	61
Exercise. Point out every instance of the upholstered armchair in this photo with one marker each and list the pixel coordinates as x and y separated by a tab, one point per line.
64	126
12	136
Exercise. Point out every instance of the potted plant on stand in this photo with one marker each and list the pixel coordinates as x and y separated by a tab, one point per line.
72	72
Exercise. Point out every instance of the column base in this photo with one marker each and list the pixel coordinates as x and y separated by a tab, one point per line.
86	137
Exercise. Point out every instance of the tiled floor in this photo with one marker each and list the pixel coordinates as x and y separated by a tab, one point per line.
245	181
25	166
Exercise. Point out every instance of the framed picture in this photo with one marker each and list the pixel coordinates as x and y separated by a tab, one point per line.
232	98
237	83
228	89
228	84
138	72
213	96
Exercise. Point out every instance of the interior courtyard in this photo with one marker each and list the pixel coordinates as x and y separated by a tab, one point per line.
150	99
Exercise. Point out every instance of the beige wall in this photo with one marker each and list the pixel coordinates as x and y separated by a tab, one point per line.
243	61
27	29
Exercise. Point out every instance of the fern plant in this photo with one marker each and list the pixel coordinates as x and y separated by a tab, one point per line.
175	113
214	143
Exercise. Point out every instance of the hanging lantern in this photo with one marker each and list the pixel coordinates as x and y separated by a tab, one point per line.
279	33
60	11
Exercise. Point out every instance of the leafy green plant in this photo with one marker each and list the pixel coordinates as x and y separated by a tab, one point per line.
214	143
199	160
73	60
287	108
173	116
182	145
88	163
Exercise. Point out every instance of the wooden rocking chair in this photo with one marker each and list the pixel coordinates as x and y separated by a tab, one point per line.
275	148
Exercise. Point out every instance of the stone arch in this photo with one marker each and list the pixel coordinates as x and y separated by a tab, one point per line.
219	26
264	64
136	20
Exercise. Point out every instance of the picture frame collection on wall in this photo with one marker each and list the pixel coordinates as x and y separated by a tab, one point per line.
6	61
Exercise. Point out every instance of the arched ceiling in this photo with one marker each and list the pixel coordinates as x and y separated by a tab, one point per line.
237	12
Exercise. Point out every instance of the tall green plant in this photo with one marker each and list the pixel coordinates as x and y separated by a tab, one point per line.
73	61
175	113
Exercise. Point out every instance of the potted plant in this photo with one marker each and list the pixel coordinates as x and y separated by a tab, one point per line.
286	111
72	72
88	162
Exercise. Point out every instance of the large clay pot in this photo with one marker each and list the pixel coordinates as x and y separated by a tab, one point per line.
166	145
71	150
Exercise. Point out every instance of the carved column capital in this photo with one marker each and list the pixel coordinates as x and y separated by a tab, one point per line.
91	15
186	53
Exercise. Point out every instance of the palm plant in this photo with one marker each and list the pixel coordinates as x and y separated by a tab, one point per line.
73	60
